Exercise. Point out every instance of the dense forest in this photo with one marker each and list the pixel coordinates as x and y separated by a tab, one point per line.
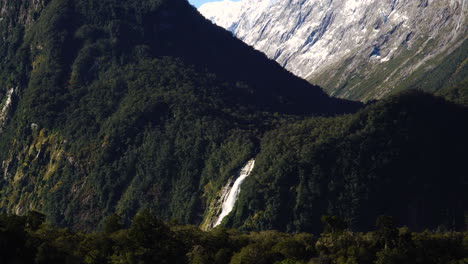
27	239
109	107
116	106
403	156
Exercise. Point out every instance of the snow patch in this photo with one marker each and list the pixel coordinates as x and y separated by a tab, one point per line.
312	37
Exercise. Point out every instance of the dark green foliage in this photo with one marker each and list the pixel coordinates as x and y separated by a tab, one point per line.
333	224
149	240
403	156
386	231
34	220
122	105
112	223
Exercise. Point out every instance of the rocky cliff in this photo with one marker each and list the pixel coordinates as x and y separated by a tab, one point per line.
355	49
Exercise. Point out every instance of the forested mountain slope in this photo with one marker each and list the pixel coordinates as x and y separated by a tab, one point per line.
115	106
112	106
457	93
403	156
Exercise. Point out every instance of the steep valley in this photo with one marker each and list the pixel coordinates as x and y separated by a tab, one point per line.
118	107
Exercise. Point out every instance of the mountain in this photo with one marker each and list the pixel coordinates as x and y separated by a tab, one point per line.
389	158
354	49
119	106
111	106
457	93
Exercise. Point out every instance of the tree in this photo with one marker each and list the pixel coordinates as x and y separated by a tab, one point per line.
112	223
151	241
386	232
34	220
333	224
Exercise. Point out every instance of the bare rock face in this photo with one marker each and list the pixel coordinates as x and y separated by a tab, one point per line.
20	11
359	49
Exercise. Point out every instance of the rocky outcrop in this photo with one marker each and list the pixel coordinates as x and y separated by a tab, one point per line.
354	49
24	12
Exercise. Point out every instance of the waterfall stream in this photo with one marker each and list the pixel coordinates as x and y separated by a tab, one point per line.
6	108
230	195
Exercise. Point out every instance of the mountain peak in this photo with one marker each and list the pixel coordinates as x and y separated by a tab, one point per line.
345	45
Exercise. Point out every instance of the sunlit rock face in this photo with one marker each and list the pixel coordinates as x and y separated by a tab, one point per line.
338	44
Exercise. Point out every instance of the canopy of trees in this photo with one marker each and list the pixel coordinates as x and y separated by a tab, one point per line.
26	239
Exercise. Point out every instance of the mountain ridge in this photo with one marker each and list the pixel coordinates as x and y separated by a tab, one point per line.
126	106
119	106
354	50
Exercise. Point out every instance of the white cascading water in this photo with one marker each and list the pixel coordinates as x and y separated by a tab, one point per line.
6	107
230	196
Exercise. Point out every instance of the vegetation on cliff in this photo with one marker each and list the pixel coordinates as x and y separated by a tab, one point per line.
403	156
124	105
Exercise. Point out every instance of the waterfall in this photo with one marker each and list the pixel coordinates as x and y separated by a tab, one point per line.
6	108
231	193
